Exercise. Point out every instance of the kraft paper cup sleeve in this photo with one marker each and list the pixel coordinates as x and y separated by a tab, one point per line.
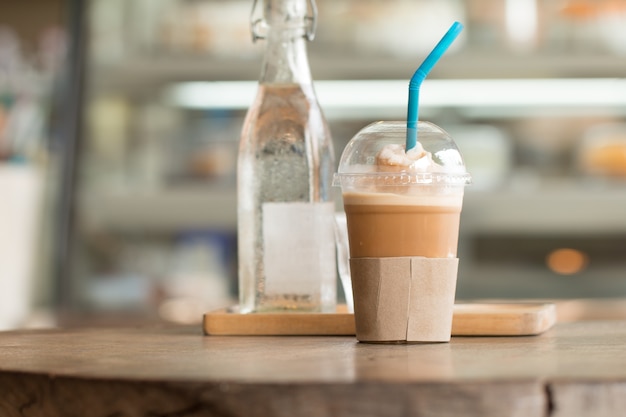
404	299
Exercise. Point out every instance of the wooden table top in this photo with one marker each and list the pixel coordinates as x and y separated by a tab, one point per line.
574	369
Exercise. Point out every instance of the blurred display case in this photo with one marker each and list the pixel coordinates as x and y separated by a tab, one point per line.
524	91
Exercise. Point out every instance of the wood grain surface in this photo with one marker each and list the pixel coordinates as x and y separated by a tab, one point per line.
574	369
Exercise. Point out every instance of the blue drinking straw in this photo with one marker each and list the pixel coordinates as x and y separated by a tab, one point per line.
420	75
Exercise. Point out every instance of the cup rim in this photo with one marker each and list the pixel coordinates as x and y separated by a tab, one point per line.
387	179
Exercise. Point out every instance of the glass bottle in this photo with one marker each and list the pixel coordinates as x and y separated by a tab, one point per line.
286	247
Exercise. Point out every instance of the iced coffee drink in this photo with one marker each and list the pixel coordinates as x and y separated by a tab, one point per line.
382	225
403	211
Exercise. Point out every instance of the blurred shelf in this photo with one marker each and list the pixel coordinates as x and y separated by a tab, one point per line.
567	208
509	98
161	211
141	74
520	281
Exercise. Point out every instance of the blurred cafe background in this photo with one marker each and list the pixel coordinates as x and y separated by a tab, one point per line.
120	121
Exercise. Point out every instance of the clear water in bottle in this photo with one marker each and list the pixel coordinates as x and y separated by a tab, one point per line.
287	259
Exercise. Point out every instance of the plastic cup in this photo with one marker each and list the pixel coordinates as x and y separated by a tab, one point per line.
403	227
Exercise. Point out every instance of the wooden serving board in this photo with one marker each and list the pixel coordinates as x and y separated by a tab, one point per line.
480	319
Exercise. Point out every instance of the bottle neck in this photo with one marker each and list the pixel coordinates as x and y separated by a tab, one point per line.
286	60
287	27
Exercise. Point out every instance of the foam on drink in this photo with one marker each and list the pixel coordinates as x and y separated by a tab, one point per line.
393	158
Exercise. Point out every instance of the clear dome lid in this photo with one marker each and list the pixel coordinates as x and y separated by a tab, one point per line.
359	163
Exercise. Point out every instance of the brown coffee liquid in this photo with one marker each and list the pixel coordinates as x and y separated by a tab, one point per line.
379	230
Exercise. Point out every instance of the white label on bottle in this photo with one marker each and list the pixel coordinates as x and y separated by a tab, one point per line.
299	245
